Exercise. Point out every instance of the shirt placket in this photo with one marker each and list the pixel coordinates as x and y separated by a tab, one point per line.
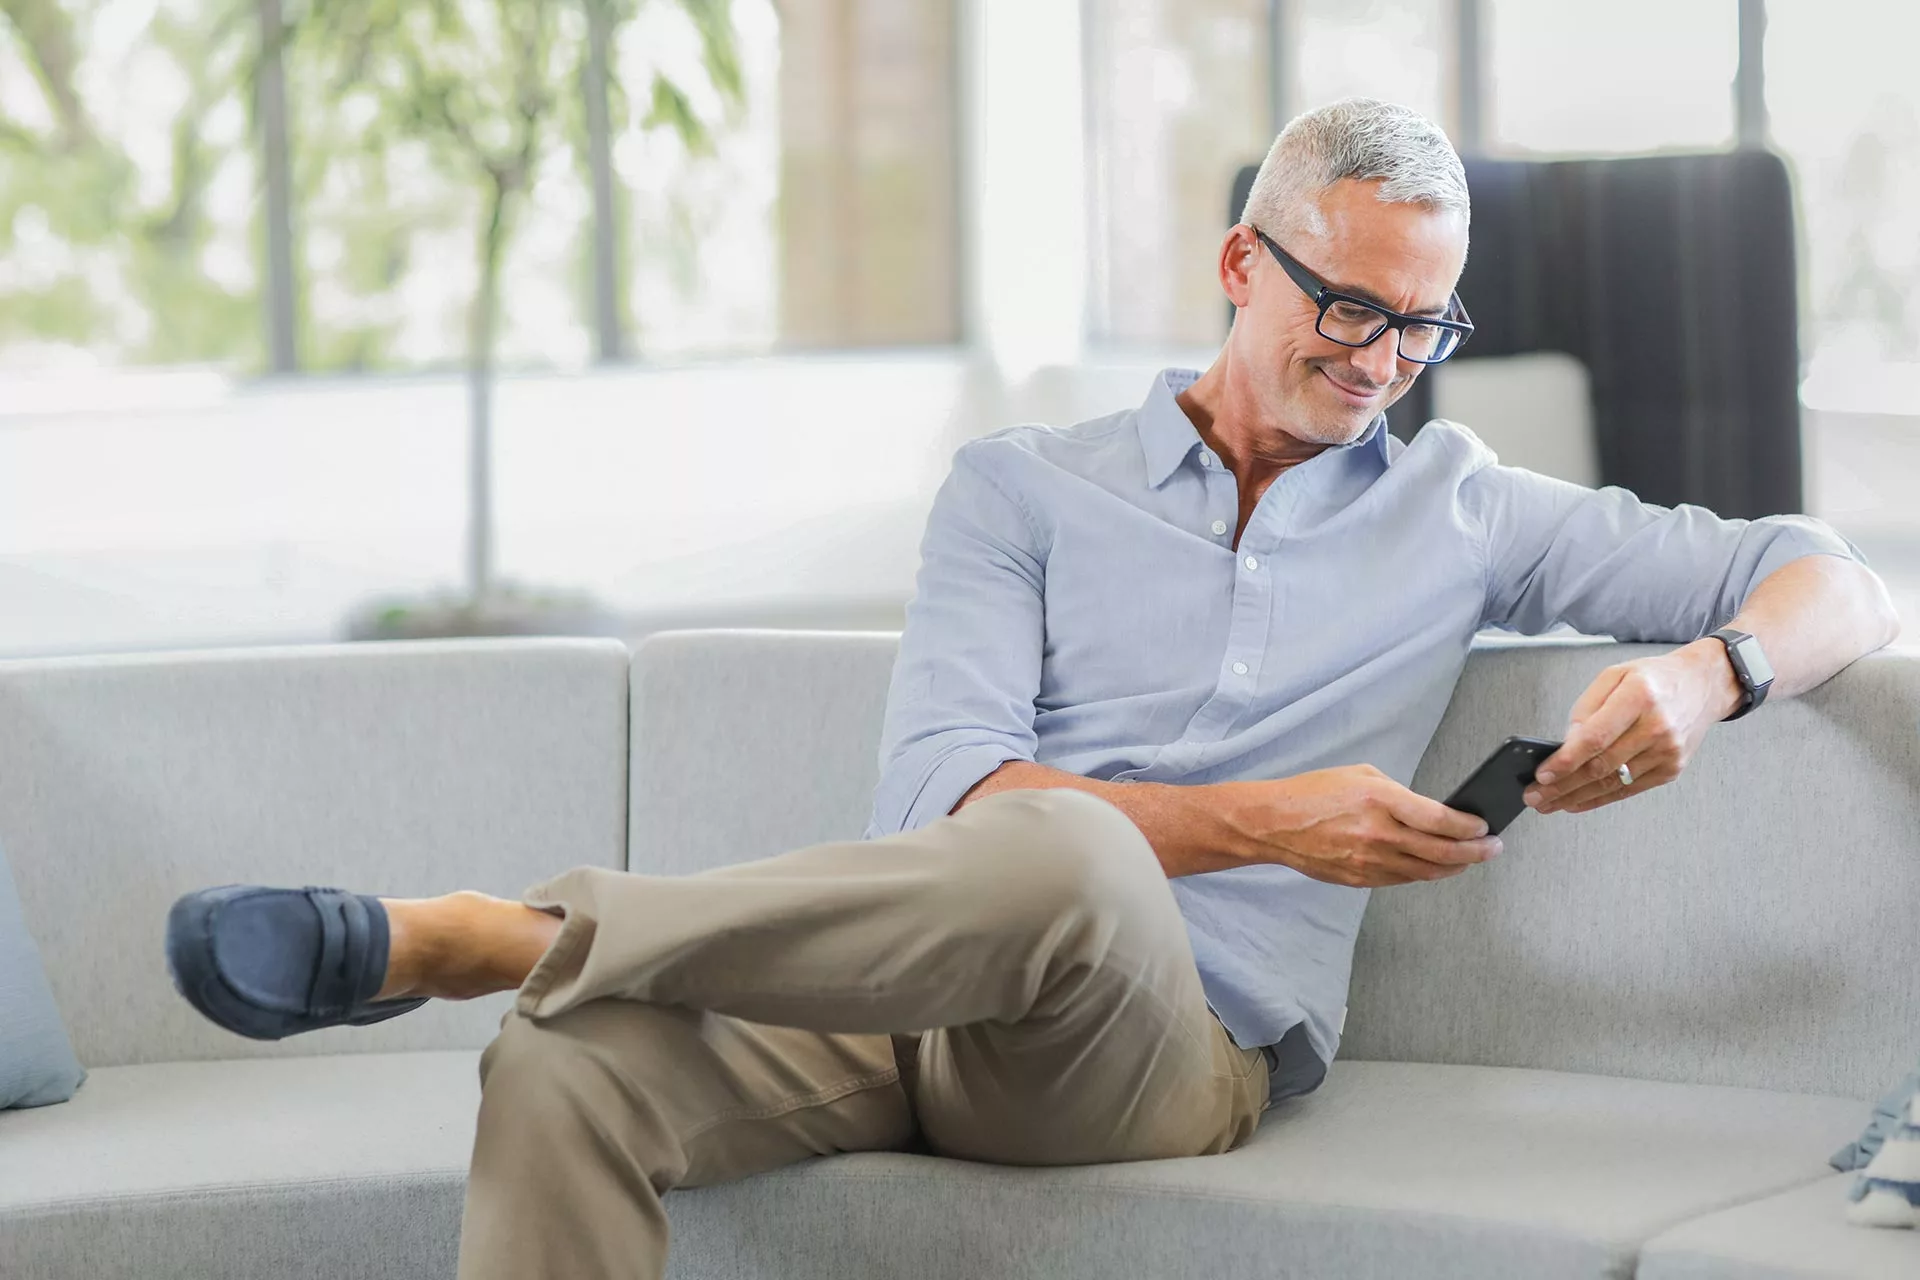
1251	620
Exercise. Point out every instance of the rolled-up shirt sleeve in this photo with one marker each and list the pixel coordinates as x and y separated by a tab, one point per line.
1606	563
960	703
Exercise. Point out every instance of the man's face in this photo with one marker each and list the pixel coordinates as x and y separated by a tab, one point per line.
1404	256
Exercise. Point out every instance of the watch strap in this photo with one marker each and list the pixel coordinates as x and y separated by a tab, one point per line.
1744	655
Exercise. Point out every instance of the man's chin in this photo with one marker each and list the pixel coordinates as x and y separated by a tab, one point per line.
1341	428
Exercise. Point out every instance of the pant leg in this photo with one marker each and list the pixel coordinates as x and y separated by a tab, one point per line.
589	1116
1112	1082
1033	932
1122	1059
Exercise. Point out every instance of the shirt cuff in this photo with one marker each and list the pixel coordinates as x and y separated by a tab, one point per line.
952	778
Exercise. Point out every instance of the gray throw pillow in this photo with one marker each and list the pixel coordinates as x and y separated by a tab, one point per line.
1886	1114
37	1065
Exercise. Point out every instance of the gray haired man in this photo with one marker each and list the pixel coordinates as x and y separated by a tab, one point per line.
1162	684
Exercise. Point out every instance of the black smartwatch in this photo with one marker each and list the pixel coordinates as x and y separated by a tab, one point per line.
1750	667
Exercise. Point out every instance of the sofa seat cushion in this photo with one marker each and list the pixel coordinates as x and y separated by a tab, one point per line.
1796	1235
344	1166
1388	1170
338	1166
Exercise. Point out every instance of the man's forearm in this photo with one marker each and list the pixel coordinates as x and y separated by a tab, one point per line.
1185	833
1813	616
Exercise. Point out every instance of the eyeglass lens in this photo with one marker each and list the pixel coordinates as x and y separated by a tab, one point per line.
1354	325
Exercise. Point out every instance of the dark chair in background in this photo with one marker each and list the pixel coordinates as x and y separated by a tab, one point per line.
1673	280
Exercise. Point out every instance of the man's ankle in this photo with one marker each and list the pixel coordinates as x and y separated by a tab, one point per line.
462	945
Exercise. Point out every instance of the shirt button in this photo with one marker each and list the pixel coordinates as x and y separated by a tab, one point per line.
1206	459
1251	562
1239	668
1219	526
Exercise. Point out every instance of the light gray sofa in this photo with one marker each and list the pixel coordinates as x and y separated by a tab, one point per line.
1627	1047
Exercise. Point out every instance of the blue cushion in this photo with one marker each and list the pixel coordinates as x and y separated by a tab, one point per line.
37	1065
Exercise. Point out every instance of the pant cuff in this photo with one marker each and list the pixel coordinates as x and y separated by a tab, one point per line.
554	980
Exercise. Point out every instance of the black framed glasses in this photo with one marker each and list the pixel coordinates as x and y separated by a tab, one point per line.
1356	322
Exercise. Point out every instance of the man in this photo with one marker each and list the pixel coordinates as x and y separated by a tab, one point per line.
1163	681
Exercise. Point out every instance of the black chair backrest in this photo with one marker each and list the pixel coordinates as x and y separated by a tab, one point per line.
1673	280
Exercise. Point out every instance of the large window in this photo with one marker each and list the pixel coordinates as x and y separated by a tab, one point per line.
128	225
760	175
1177	102
1845	110
1392	49
1624	77
1181	96
869	123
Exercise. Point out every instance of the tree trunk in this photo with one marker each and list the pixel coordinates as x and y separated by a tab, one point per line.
47	32
486	306
270	119
606	236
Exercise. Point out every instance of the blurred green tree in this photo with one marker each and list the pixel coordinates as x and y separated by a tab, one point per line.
485	88
113	263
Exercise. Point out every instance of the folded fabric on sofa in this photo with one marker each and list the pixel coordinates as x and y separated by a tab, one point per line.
1886	1116
1887	1192
37	1066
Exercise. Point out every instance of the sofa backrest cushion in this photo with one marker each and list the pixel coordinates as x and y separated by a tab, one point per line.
403	769
1751	924
750	743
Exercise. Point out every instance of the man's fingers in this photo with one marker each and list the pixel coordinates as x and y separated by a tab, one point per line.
1392	867
1647	768
1623	703
1596	694
1435	851
1413	810
1600	770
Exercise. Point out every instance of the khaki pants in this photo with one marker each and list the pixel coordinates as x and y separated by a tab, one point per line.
1010	984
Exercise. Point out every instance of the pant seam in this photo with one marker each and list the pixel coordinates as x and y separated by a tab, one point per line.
1173	1015
794	1102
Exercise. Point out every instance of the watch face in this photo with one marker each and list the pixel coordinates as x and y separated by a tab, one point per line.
1754	659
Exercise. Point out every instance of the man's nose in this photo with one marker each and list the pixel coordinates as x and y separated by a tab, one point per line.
1379	359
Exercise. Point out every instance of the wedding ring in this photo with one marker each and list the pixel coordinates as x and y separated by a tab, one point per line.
1625	775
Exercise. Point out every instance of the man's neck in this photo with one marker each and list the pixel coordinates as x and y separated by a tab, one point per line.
1254	447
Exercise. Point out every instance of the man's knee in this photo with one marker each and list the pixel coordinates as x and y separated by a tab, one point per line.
1057	850
553	1073
529	1065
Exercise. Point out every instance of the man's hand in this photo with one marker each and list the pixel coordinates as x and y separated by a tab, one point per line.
1650	715
1353	826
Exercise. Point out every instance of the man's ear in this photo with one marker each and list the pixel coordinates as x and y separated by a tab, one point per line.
1238	252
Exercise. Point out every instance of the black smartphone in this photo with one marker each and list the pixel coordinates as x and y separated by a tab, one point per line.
1494	791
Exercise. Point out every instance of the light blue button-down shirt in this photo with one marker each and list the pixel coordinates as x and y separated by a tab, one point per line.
1081	604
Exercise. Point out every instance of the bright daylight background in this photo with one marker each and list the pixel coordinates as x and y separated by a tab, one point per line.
762	267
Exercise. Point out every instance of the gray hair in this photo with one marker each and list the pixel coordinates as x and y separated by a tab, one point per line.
1361	138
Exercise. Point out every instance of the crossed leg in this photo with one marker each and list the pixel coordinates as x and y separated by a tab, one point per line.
1012	984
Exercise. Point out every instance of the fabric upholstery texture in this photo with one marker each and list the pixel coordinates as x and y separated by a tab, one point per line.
1795	1235
37	1066
345	1166
330	1166
399	769
1750	924
1484	1119
1389	1170
793	716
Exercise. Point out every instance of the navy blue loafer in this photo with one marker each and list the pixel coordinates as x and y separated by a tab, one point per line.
270	963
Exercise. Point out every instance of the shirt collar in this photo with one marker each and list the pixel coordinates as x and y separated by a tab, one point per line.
1166	433
1167	436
